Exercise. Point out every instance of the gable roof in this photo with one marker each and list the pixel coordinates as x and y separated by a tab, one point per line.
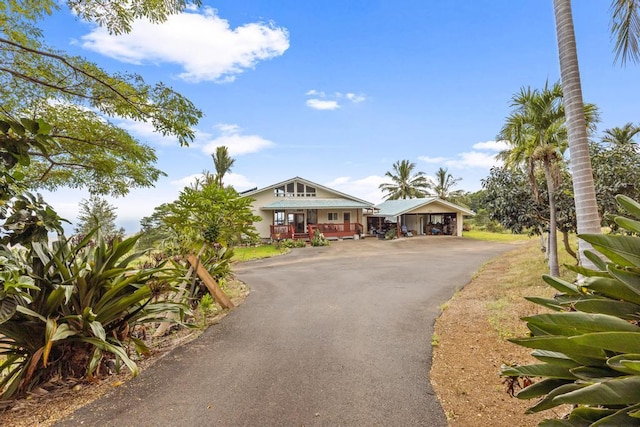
355	202
391	208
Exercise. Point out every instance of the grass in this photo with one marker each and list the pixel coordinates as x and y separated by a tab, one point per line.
495	237
257	252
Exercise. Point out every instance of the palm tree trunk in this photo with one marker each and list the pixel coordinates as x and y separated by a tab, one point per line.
554	269
588	219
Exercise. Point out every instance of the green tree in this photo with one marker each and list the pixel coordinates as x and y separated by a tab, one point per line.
621	135
97	213
443	185
222	163
536	135
83	147
405	184
616	170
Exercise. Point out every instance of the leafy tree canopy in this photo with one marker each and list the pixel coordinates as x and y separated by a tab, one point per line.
75	98
405	183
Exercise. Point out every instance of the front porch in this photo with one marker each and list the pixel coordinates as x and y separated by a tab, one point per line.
345	230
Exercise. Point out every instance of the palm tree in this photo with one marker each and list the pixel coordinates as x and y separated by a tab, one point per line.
443	185
621	135
537	136
626	29
222	162
405	184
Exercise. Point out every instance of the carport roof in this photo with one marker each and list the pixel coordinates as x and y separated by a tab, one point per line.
394	208
314	203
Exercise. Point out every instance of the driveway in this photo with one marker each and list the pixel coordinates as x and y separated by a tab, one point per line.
331	336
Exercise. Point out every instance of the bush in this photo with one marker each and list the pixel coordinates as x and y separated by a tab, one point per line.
319	239
589	345
290	243
68	309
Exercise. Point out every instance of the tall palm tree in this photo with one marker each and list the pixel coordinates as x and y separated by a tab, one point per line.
222	163
405	184
621	135
536	134
443	185
626	29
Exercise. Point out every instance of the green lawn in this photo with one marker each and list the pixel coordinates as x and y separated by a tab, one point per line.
494	237
262	251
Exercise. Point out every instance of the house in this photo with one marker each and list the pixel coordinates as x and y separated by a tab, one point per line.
296	208
431	216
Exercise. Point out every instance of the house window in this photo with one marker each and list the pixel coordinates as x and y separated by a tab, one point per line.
278	218
312	216
300	189
279	191
290	189
311	192
346	216
332	216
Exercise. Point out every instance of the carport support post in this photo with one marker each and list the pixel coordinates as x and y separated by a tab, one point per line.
398	225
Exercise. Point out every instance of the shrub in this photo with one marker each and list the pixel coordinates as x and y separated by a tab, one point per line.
589	345
67	309
319	239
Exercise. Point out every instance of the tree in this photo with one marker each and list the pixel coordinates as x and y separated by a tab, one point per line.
74	99
222	163
96	212
443	185
616	170
621	135
405	184
536	135
626	29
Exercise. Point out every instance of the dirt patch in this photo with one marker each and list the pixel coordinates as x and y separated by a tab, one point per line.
470	346
62	397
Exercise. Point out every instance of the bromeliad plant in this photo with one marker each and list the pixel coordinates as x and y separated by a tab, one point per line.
68	309
589	345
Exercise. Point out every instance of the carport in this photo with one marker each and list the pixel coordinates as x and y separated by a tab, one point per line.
425	216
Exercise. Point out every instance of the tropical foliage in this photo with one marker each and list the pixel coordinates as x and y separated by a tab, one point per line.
72	310
73	102
589	344
405	183
442	186
222	163
537	138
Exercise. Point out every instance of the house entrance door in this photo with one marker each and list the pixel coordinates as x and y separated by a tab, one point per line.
298	222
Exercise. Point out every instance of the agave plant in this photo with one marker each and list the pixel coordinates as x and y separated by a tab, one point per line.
589	344
68	308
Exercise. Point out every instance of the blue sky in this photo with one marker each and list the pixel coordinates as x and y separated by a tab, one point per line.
336	91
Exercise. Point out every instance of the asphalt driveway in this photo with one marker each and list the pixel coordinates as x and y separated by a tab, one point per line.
332	336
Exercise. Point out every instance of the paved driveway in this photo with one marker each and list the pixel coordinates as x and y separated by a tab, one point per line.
333	336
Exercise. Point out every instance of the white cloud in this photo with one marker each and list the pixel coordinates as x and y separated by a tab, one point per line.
491	145
356	99
321	101
237	143
319	104
365	188
203	44
483	155
428	159
473	159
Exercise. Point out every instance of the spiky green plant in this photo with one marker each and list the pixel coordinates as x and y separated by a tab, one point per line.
68	308
589	345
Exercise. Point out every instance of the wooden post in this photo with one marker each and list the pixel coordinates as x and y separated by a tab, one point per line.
217	293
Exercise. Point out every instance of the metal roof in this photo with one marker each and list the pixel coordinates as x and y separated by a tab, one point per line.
394	208
314	203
